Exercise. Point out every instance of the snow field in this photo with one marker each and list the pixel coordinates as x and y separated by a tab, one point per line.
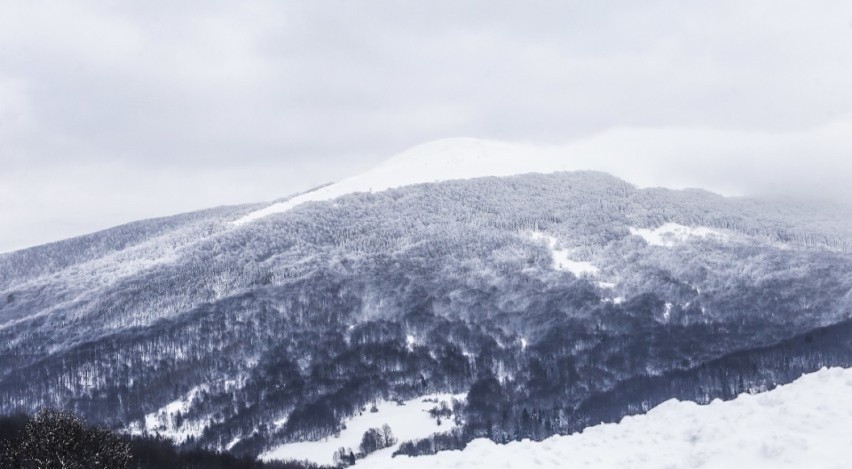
805	424
671	234
562	258
408	422
162	422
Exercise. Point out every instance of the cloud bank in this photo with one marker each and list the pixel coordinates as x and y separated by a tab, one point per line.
111	112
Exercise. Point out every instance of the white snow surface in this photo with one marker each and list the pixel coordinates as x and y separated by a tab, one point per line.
162	422
408	422
562	257
805	424
671	234
441	160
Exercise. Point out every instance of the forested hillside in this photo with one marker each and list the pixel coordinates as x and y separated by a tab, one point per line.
554	301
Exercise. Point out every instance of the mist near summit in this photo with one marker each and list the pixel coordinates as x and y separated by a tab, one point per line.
111	113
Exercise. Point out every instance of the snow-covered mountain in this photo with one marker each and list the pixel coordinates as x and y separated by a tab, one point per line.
441	160
552	299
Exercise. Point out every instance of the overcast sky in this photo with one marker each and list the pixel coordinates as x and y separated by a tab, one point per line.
115	111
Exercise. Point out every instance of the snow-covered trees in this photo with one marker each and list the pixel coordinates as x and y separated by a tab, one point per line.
344	457
297	321
59	439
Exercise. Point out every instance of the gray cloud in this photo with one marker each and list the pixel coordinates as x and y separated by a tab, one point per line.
111	112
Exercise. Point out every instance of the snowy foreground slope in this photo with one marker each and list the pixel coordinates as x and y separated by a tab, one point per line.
805	424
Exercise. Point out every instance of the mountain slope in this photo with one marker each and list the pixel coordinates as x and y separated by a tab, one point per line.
550	299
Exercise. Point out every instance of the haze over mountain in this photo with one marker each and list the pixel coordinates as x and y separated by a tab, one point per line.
113	112
805	165
646	158
552	300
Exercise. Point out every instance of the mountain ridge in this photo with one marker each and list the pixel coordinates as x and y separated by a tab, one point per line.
309	314
435	161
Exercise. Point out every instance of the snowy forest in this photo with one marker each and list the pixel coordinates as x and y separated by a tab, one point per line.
280	329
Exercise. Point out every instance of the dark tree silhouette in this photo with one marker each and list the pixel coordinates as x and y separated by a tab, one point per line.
57	439
375	439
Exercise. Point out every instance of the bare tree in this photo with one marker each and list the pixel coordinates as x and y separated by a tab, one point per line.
387	436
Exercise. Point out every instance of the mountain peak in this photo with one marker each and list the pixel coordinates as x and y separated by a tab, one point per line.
459	150
435	161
